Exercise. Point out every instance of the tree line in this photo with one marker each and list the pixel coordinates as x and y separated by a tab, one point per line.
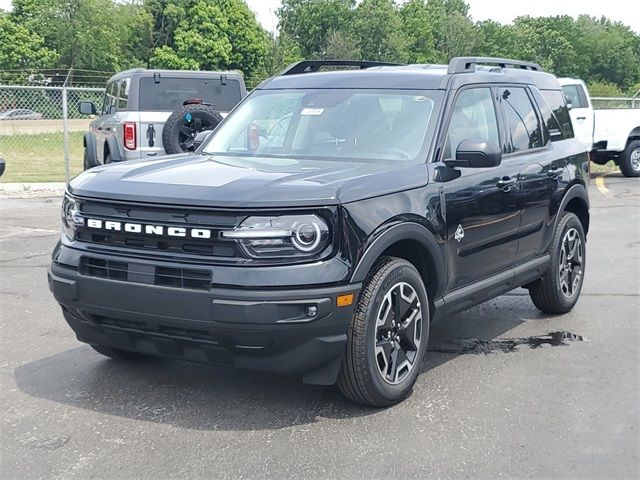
112	35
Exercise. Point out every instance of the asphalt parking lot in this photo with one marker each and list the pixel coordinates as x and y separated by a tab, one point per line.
479	410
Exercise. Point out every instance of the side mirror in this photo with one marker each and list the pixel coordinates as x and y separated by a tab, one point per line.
86	108
475	154
200	138
1	166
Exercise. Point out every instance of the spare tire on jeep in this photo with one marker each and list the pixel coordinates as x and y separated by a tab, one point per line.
184	124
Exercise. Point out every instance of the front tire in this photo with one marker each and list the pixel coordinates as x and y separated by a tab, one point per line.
388	336
630	161
558	290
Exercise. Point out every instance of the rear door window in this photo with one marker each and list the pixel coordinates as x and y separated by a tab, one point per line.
168	94
576	96
555	100
522	122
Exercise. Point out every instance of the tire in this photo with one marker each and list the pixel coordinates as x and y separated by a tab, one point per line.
184	124
368	374
630	160
559	289
116	353
107	159
85	160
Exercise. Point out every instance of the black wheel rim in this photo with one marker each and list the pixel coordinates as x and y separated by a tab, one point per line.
191	127
398	332
571	263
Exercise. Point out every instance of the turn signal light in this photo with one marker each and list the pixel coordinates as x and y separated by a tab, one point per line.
130	136
344	300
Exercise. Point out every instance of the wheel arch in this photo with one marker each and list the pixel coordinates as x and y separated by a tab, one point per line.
111	147
89	143
412	242
576	201
634	135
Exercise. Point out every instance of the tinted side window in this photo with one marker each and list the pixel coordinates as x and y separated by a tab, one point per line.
522	121
555	100
550	124
473	118
576	96
109	105
123	94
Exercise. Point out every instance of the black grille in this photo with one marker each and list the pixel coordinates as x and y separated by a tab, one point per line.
95	267
189	278
167	217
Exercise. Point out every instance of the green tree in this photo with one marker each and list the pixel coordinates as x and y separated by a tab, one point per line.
20	48
310	22
377	29
210	35
495	39
418	27
341	45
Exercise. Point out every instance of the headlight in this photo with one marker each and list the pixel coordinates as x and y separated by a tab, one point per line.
286	236
71	218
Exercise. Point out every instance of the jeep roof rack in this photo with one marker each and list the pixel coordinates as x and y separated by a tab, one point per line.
310	66
468	64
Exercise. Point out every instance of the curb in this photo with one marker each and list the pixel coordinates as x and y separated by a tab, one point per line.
32	190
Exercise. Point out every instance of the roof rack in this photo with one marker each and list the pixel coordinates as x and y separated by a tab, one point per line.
310	66
468	64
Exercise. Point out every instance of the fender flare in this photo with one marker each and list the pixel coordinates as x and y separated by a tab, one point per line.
404	231
577	190
114	149
89	144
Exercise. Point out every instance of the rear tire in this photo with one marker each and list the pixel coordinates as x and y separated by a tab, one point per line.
116	353
559	289
388	336
630	160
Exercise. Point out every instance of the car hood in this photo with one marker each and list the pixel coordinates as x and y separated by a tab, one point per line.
245	182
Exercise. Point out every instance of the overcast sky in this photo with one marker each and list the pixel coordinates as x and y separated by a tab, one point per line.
500	10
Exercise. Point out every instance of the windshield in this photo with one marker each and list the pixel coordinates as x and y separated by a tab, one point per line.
328	123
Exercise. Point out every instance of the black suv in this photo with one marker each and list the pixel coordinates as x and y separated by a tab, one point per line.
329	219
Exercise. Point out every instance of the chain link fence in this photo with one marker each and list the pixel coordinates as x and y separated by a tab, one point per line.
41	131
608	103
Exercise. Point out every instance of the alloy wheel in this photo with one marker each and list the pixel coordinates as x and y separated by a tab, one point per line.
571	263
398	331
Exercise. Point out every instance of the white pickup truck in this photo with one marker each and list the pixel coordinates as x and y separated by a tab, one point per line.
609	134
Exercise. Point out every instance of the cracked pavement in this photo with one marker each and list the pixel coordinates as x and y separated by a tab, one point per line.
563	411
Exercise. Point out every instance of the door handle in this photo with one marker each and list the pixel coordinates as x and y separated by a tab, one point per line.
555	172
581	118
505	183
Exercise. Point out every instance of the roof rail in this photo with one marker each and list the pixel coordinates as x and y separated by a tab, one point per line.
310	66
468	64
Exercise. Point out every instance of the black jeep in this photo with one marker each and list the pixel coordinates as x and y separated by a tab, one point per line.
330	218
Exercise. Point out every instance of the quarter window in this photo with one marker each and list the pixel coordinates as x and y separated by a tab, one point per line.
523	127
555	100
123	94
473	118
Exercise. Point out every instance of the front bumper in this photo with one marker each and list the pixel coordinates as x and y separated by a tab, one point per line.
269	330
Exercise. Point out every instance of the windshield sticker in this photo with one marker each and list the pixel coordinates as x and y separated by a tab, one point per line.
312	111
419	98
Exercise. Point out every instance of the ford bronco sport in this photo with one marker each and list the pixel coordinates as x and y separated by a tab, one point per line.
329	219
136	119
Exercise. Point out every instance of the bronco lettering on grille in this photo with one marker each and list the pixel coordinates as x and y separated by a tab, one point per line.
97	224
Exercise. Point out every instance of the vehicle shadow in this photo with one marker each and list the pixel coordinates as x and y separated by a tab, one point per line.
203	397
